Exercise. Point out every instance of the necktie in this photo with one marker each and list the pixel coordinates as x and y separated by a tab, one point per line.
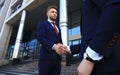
54	26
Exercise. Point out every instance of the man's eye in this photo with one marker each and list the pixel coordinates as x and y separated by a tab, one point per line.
52	11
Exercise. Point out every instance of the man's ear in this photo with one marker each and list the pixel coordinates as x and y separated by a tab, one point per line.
47	13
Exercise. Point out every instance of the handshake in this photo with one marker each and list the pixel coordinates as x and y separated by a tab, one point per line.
60	49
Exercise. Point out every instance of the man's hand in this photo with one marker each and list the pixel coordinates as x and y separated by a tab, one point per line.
85	67
63	49
56	48
60	49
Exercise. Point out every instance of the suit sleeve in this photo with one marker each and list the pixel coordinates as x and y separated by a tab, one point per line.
108	29
75	49
41	35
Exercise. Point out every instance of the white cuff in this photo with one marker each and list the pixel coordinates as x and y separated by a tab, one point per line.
93	55
68	47
53	47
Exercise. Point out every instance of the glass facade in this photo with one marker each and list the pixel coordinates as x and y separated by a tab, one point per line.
74	31
28	49
74	27
74	23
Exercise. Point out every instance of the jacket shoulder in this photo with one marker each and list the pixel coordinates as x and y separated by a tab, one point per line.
42	22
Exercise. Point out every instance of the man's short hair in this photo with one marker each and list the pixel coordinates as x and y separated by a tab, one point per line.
52	6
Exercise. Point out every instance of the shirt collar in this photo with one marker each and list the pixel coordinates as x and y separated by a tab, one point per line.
50	20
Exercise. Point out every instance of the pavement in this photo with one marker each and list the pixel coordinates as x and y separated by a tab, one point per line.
27	67
30	67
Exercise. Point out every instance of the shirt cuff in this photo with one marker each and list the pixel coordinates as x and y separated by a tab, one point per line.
93	55
53	47
68	47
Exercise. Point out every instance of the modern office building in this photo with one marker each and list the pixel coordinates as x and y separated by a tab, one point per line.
18	23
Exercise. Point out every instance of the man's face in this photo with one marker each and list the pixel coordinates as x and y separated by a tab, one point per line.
52	14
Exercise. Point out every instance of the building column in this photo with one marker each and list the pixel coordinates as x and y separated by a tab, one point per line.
63	23
19	35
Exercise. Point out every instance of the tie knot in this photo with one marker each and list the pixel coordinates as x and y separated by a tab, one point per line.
53	23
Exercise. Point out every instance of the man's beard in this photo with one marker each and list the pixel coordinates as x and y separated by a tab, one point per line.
53	18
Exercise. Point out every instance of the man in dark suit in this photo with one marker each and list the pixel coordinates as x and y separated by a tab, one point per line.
100	44
49	35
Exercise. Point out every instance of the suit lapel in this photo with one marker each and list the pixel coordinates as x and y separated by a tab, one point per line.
51	27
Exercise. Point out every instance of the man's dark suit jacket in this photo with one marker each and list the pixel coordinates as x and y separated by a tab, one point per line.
100	31
47	37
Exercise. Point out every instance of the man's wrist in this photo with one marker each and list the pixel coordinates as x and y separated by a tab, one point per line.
89	59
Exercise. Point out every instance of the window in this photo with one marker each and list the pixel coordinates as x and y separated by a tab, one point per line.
16	6
75	42
74	23
1	5
74	31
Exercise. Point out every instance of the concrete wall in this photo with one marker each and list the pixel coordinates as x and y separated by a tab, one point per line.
3	38
4	12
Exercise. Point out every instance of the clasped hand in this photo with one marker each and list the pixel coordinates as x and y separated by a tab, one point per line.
60	49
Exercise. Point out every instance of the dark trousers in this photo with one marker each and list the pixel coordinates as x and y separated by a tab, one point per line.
49	67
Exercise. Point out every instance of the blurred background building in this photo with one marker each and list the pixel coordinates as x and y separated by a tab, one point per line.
18	23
